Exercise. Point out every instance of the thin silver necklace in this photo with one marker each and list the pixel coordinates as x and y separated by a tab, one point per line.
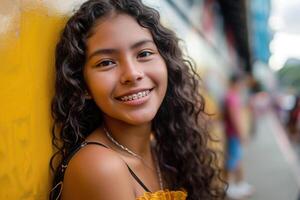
122	147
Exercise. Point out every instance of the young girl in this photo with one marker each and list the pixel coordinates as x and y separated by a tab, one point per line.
127	111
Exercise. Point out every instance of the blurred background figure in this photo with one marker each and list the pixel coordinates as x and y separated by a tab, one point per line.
294	121
238	188
259	103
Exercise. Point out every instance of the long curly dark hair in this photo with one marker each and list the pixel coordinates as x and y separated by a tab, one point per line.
179	126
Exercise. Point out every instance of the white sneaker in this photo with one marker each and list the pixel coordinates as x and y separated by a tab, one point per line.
239	191
245	188
233	192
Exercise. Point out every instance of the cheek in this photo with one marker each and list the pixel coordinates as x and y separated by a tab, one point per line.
161	74
101	88
165	75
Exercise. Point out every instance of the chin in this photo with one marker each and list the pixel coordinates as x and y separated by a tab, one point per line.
140	119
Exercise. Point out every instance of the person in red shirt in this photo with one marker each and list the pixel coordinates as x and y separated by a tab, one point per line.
237	186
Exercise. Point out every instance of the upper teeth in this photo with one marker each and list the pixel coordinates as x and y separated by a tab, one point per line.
135	96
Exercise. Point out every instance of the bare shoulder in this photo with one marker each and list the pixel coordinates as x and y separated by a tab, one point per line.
96	172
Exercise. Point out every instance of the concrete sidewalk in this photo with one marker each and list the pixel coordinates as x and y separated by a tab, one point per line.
270	163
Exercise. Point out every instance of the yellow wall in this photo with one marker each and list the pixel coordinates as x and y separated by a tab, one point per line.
28	33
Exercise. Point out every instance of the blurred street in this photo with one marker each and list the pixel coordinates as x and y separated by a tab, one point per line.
270	162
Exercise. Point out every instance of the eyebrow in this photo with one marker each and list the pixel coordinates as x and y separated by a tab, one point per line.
112	51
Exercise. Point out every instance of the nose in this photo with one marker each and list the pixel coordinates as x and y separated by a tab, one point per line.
131	72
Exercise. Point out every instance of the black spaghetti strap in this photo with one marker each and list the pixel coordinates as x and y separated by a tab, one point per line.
65	163
57	189
137	179
97	143
130	170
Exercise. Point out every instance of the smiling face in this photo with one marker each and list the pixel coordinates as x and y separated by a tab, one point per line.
124	72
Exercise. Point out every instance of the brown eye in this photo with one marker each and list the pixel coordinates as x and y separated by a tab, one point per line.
144	54
105	63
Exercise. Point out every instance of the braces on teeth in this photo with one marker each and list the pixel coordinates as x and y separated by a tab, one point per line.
135	96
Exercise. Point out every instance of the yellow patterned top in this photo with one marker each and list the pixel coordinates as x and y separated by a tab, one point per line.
164	195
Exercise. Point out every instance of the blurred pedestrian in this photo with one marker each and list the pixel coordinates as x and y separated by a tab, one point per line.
238	188
259	103
294	121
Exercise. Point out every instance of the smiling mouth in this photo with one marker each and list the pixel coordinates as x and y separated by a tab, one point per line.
135	96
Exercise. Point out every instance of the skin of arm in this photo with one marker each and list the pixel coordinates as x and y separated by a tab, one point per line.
96	173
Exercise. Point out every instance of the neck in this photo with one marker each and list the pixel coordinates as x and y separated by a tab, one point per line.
134	137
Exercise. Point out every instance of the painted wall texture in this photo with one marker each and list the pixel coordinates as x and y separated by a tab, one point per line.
28	33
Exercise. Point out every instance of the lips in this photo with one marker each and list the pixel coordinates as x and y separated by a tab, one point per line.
133	95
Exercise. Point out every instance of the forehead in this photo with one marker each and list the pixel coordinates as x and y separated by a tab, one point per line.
116	30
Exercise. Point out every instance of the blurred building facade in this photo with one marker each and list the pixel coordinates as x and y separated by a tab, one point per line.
261	34
215	35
